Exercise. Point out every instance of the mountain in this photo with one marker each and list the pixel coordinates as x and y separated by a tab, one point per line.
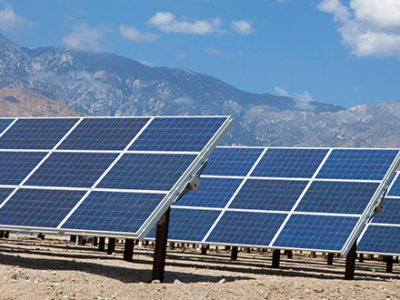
26	103
108	84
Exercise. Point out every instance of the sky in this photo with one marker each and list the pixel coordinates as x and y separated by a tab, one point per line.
342	52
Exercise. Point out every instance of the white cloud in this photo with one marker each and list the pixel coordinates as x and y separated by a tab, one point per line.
281	92
146	62
83	37
9	20
131	33
367	27
303	101
222	54
167	22
242	27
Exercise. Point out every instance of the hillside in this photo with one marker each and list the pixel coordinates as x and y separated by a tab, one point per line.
25	103
108	84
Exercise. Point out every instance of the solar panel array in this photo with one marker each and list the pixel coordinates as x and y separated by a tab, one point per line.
113	176
382	234
286	198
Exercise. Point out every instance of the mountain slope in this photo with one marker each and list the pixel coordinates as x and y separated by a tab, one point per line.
107	84
26	103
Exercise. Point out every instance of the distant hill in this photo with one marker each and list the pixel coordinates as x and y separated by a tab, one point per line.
26	103
108	84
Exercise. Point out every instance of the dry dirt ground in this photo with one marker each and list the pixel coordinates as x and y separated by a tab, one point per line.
55	268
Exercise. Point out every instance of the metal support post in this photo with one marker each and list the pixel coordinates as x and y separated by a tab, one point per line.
111	245
275	258
6	234
234	253
289	254
102	242
161	247
128	251
361	257
72	238
204	249
330	259
389	264
351	263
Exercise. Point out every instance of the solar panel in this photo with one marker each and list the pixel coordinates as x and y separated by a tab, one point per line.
103	134
147	171
15	166
290	198
36	133
4	123
111	176
177	134
381	236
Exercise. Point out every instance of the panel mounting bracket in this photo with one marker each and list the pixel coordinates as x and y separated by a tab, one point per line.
194	182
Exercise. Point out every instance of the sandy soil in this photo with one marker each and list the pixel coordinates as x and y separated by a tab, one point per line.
57	269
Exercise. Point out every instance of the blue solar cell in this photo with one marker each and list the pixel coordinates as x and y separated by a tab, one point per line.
15	166
268	194
118	212
357	164
232	161
178	134
380	239
4	193
103	133
38	208
36	133
395	188
71	169
147	171
316	232
213	192
390	213
4	123
246	228
289	163
337	197
188	224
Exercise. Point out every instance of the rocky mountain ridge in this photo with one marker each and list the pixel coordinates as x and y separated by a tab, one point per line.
107	84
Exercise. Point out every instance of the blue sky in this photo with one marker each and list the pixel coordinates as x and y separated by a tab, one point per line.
343	52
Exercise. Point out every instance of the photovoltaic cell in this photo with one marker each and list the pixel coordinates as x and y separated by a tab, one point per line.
213	192
36	133
368	164
268	194
337	197
395	188
117	212
4	123
232	161
300	163
380	239
15	166
147	171
316	232
71	169
189	224
390	213
246	228
103	133
4	193
177	134
38	208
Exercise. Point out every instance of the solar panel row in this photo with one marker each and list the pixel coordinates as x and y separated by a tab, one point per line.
99	174
292	198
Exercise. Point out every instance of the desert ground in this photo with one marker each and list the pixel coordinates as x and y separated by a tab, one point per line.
55	268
